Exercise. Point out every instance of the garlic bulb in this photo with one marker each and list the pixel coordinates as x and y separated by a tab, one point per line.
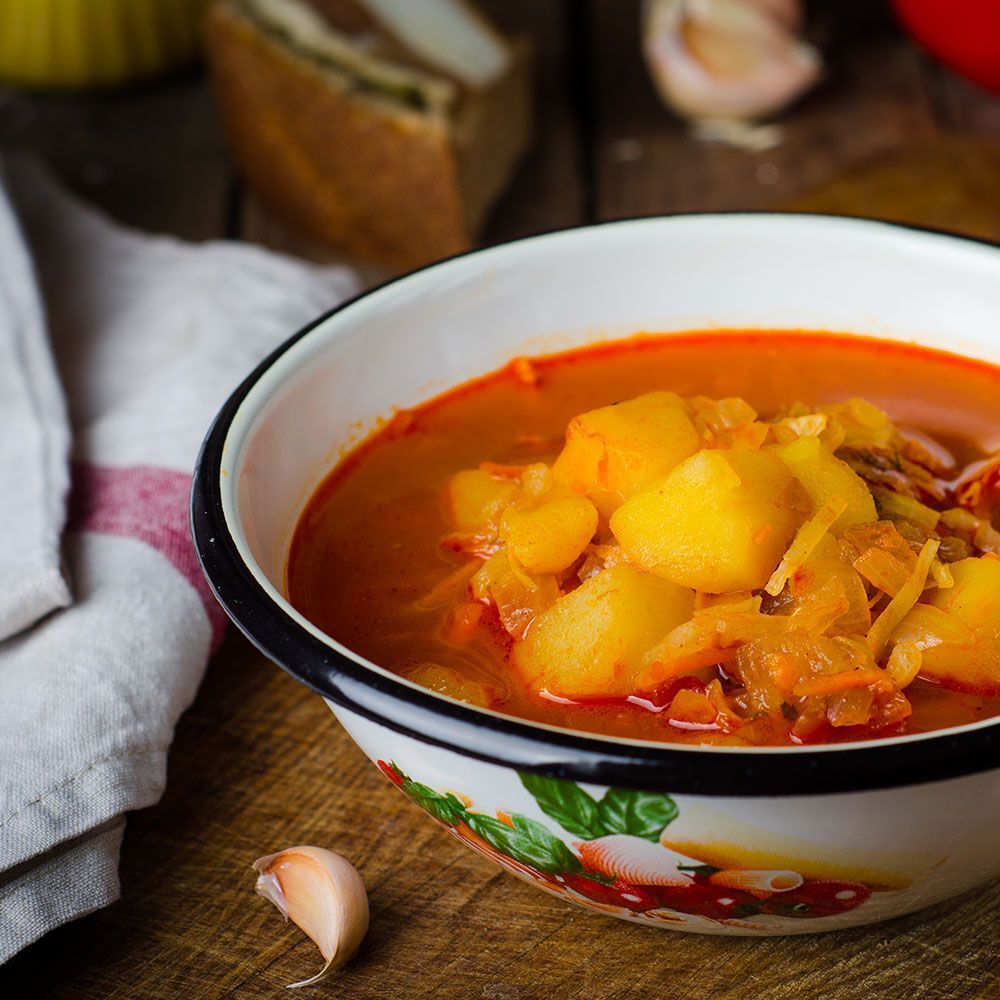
728	59
322	893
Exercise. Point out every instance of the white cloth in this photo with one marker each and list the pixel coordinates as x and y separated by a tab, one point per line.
34	441
106	624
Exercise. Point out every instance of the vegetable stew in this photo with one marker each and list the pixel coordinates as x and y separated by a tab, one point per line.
723	538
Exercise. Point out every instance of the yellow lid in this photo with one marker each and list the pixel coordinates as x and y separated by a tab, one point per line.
95	43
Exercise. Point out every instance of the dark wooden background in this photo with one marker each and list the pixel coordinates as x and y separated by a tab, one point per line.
258	763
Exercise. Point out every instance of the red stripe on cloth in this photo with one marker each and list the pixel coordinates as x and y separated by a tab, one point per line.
151	506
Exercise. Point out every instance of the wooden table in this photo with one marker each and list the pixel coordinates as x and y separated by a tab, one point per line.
258	763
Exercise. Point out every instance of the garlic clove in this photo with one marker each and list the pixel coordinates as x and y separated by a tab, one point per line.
726	59
321	893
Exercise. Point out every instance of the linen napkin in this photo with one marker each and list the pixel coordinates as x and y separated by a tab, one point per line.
105	620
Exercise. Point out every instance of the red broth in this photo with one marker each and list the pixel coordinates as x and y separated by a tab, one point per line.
368	547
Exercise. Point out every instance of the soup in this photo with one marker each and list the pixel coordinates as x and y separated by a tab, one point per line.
725	538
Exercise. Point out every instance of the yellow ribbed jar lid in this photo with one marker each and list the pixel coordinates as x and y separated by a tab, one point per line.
95	43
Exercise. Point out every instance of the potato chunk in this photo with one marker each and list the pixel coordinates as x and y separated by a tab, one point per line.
475	499
591	641
720	521
824	477
974	601
614	452
549	535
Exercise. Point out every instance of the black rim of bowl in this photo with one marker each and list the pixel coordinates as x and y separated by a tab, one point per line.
512	743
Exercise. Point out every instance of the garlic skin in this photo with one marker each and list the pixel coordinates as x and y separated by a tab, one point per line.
727	59
321	893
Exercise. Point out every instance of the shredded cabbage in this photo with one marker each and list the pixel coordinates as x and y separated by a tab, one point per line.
905	599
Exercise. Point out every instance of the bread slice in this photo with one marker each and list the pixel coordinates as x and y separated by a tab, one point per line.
396	160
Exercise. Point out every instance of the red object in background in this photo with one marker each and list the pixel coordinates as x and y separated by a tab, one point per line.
963	34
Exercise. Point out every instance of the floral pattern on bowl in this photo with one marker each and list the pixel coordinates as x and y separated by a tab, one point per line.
618	864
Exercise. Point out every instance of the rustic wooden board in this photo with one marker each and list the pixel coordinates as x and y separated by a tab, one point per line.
949	184
258	763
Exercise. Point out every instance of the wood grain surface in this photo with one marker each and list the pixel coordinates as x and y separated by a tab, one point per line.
258	762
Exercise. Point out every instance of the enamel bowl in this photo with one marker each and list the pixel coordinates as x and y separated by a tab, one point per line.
712	840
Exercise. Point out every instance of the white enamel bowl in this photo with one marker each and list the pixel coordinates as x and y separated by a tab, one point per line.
716	840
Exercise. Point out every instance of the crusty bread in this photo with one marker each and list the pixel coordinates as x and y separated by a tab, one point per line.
399	183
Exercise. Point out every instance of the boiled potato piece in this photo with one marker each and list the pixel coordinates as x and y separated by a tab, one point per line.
614	452
825	476
720	521
475	499
552	533
975	601
591	641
